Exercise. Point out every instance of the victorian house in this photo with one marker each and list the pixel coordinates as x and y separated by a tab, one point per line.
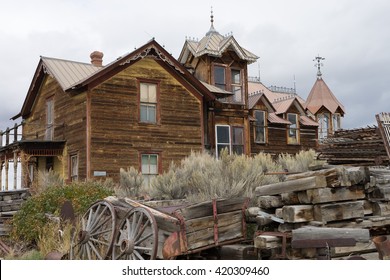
147	109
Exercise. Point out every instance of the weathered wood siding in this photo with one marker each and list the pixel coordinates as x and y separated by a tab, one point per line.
69	123
117	136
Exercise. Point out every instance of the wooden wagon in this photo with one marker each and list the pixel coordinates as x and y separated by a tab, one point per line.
126	229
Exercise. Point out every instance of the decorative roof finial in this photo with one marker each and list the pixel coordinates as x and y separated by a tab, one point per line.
212	29
318	65
212	17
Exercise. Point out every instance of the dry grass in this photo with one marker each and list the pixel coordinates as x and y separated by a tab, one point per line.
130	183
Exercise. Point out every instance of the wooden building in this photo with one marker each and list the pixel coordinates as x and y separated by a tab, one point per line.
146	109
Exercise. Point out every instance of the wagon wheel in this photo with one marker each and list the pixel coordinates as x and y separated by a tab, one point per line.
137	236
94	240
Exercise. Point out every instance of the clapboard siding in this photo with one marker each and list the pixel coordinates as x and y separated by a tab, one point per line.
117	136
69	122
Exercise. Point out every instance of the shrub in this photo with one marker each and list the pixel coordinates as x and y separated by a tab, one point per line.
29	221
299	162
201	177
130	183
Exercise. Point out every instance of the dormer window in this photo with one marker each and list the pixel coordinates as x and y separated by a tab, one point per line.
293	130
220	77
236	86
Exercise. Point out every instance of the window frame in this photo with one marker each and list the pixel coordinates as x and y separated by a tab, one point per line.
49	131
233	140
323	130
336	122
220	85
295	130
155	104
262	127
217	144
233	86
74	177
147	176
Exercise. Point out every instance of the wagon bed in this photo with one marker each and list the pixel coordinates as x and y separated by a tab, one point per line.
127	229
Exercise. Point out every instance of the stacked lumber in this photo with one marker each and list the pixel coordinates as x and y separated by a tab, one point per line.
332	199
362	146
10	203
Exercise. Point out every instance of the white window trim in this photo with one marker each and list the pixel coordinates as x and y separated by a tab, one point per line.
216	139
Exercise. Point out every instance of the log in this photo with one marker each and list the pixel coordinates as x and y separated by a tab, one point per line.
297	213
381	193
290	198
292	186
381	208
324	195
313	233
238	252
267	242
270	201
330	174
353	175
338	211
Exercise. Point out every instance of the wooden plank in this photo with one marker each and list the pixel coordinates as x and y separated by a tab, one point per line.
290	198
267	242
205	208
338	211
291	186
313	233
323	242
225	219
297	213
330	174
324	195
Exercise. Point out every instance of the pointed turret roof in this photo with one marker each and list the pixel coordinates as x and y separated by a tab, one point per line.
215	44
321	96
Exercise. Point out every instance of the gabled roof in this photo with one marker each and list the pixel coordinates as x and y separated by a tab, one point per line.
305	120
254	98
282	106
321	96
77	76
215	44
67	73
273	118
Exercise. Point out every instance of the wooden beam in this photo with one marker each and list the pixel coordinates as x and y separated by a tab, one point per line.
297	213
338	211
291	186
313	233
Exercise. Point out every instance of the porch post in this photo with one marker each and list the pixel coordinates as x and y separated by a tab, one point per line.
6	173
15	170
1	175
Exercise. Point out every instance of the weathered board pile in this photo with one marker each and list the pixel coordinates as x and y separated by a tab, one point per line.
10	203
341	208
362	146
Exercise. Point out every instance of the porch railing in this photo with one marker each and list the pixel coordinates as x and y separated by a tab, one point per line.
11	135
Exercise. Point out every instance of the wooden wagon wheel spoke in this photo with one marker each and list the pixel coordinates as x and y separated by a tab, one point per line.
137	237
95	238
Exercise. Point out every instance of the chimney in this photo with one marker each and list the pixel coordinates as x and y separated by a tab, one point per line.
96	58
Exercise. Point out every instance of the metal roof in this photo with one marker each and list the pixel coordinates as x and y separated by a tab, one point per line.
304	120
216	90
215	44
321	96
273	118
68	73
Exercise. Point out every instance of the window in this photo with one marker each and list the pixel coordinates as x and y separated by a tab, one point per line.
222	138
236	86
238	140
323	129
148	102
260	127
336	122
149	167
74	168
219	77
49	133
293	130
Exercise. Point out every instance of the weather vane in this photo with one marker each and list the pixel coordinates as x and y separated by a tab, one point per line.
318	65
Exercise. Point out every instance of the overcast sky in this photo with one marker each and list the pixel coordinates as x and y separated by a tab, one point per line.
353	36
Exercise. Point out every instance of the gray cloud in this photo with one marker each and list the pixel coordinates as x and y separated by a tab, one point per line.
287	35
